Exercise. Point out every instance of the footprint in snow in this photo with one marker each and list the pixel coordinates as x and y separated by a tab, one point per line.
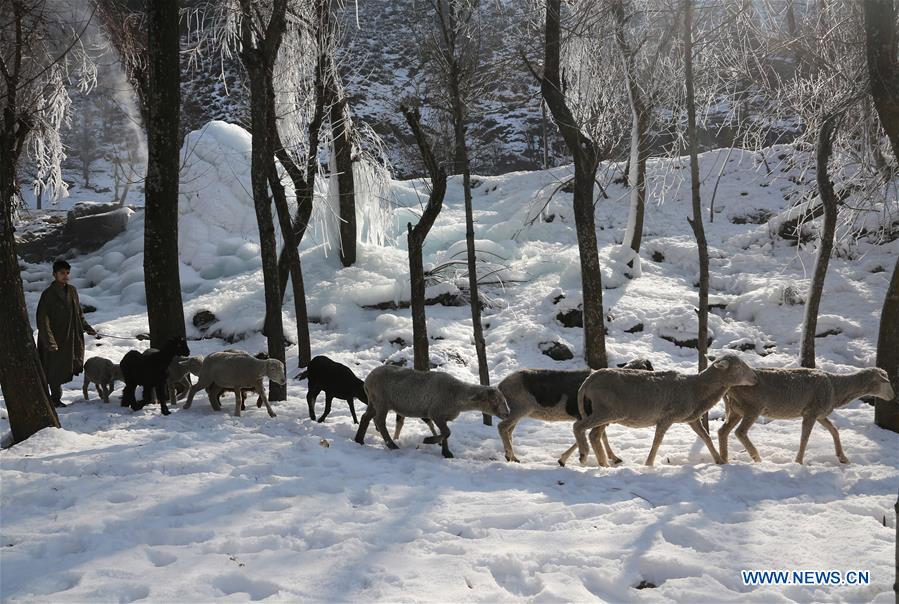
236	584
159	558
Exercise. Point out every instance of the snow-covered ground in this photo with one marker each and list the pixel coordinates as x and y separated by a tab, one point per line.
200	505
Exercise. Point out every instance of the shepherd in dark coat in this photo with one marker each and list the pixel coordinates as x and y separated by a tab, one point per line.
61	327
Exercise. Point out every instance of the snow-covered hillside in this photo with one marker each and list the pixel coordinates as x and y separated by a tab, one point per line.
201	505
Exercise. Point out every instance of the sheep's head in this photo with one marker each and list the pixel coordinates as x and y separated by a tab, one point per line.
734	371
179	345
492	401
194	364
117	373
642	364
274	369
880	386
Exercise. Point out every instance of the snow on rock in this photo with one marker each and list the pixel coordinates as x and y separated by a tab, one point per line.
492	258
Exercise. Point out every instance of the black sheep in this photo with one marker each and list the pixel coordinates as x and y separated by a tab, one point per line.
150	370
337	381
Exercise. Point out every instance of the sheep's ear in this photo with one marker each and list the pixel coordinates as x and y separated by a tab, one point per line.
723	363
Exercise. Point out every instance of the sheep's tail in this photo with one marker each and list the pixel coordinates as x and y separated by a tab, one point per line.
580	403
302	376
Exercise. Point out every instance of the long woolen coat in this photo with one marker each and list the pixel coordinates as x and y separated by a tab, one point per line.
60	320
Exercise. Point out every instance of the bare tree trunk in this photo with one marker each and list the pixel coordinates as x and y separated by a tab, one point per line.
459	66
343	159
637	179
258	56
304	182
696	221
641	116
416	238
702	335
544	134
883	69
475	300
886	413
304	346
583	150
21	375
825	246
162	281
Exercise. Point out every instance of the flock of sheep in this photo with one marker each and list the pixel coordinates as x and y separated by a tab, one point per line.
633	395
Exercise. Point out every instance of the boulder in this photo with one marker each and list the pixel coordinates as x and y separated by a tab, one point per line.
556	351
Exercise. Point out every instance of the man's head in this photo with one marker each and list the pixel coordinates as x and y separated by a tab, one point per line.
61	270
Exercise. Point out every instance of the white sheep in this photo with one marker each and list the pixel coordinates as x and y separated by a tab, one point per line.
103	373
811	394
238	371
639	399
430	395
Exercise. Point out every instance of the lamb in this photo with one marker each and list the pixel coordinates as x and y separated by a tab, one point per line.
150	370
549	395
337	381
237	371
640	399
180	370
103	373
424	394
811	394
214	391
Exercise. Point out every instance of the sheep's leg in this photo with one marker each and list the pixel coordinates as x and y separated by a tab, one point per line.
434	439
836	438
564	457
106	391
128	394
101	392
580	428
190	394
328	399
743	436
137	405
214	393
381	425
313	393
161	394
238	402
599	448
84	389
260	389
353	410
363	423
704	435
505	429
444	435
724	432
808	422
400	420
605	443
661	428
